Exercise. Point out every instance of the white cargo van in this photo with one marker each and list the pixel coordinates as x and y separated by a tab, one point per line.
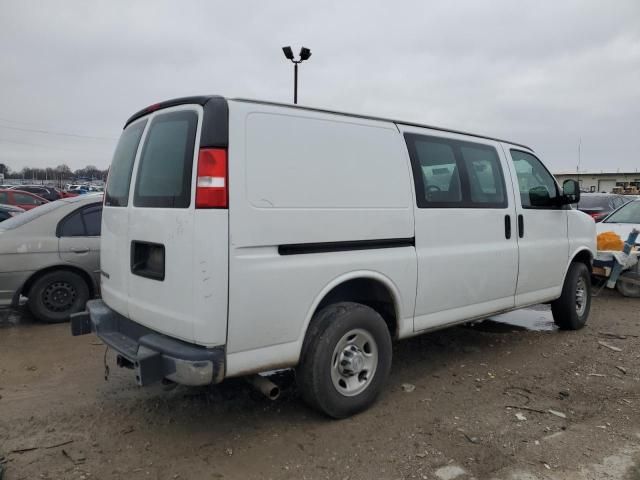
242	236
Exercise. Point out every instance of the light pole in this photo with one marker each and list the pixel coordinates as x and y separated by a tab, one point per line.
305	53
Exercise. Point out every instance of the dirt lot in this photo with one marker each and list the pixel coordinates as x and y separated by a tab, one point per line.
492	401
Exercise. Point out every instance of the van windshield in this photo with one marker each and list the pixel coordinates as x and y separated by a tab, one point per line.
117	191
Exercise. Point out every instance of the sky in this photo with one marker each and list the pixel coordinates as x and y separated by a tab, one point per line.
554	75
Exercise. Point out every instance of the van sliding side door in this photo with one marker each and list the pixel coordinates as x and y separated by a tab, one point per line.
464	227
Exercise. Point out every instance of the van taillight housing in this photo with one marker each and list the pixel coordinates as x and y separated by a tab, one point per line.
211	186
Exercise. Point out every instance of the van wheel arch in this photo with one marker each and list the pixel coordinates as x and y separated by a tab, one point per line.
583	256
372	292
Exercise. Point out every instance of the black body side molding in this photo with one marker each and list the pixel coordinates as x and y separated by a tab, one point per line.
326	247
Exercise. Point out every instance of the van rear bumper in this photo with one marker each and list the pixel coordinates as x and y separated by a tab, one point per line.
152	355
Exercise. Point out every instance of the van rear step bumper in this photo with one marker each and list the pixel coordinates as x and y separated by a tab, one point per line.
152	355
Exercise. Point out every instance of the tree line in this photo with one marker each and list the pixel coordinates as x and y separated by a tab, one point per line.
61	172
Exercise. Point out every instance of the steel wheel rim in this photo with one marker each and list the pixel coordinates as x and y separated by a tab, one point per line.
59	296
581	296
354	362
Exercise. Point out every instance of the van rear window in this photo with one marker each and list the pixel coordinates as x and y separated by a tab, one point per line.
117	191
164	173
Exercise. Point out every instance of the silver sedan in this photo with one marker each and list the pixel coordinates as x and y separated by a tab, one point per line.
51	255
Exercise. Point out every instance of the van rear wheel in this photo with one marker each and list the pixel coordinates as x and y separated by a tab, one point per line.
571	310
345	359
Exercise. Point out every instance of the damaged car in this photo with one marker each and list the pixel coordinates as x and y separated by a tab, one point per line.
51	256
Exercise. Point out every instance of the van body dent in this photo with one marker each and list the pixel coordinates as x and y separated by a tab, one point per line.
242	236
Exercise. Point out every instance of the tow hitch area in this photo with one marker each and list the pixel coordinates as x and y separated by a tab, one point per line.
123	362
151	355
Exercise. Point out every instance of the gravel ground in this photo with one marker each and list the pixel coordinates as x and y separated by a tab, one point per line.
489	401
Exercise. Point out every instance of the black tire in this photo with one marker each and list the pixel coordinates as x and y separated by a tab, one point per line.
328	329
567	315
56	295
629	289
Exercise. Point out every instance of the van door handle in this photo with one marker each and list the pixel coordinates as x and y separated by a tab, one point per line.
79	250
520	226
507	226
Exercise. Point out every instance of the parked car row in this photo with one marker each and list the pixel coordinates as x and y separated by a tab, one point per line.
21	199
51	193
81	189
599	205
48	193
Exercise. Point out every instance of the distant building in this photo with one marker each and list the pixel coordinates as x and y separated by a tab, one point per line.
603	181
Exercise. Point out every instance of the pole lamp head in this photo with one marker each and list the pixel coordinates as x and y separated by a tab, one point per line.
288	52
305	53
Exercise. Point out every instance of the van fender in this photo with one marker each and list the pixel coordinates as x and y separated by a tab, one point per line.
367	274
579	252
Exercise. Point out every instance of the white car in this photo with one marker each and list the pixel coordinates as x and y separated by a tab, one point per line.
242	236
622	220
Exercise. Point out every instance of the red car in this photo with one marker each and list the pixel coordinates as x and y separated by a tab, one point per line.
24	200
66	194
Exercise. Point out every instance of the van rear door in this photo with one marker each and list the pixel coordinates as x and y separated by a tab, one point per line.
114	248
171	255
161	225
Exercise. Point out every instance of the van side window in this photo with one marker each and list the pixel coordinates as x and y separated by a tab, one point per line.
164	173
537	186
486	183
439	171
455	174
117	191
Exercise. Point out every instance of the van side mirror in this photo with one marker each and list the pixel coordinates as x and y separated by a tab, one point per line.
570	192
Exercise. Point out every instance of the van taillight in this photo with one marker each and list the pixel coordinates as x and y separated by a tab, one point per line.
211	186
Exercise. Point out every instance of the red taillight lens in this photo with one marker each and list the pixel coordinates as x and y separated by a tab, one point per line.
211	187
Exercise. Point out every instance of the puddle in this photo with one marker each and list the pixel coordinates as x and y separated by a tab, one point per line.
538	318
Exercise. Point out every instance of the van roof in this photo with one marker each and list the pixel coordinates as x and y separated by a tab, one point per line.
204	99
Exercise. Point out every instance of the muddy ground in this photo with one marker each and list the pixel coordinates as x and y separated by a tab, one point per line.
492	401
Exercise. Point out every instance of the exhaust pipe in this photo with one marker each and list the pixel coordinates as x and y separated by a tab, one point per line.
264	386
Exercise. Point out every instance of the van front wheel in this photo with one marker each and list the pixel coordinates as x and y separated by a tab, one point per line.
345	359
571	310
